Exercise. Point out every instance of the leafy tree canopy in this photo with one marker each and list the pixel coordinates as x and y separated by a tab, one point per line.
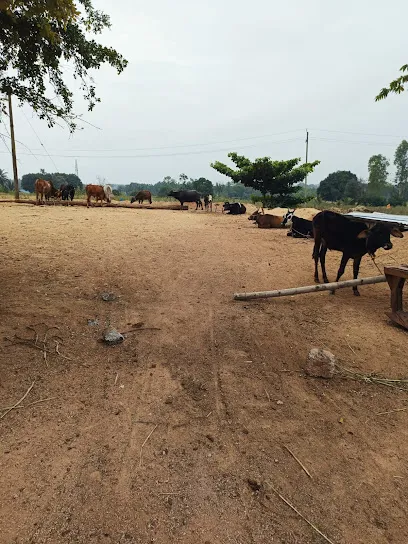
276	180
36	38
377	173
5	182
397	86
58	178
333	187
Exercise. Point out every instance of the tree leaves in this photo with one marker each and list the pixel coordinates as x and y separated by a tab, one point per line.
277	179
397	86
36	38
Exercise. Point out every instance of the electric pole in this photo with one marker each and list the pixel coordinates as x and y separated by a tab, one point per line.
76	167
13	149
307	152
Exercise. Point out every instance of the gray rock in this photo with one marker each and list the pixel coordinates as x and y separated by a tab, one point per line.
93	322
108	297
320	363
112	337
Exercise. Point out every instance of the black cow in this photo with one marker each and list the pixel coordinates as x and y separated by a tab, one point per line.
67	191
187	196
236	208
334	231
301	228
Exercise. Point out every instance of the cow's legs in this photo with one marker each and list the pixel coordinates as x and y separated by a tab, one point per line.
323	251
356	268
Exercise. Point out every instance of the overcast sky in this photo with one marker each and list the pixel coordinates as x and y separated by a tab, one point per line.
206	78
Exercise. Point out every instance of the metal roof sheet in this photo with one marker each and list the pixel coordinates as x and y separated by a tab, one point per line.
401	220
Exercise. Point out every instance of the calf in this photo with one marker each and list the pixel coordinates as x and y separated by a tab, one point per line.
67	191
141	196
42	190
236	208
266	221
187	196
301	228
334	231
98	192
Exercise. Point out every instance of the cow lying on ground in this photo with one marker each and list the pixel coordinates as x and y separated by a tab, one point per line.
301	228
141	196
187	196
98	192
266	220
236	208
67	191
334	231
42	190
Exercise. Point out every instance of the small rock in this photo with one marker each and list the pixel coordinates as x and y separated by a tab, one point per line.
112	337
254	485
280	402
93	322
96	476
210	437
320	363
108	297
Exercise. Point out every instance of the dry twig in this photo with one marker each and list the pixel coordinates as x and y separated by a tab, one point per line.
327	539
391	411
300	463
17	403
147	438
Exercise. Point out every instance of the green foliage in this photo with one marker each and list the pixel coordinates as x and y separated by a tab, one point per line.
377	175
58	178
397	86
334	186
36	38
6	184
203	186
276	180
401	165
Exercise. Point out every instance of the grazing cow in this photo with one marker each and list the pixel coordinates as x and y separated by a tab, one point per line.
141	196
67	191
236	208
206	201
301	228
334	231
99	192
187	196
266	221
42	190
53	193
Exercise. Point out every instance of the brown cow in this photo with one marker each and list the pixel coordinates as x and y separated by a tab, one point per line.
42	189
54	193
266	221
99	192
141	196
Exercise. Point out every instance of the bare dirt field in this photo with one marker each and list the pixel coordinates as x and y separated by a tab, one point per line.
179	435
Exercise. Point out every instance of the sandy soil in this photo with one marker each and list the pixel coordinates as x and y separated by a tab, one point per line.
178	435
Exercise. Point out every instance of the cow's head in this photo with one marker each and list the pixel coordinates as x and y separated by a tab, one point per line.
172	193
133	199
287	218
226	206
379	235
254	215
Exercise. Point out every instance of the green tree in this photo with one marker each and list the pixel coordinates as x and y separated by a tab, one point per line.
354	190
58	178
333	187
377	174
397	86
36	38
203	186
276	180
401	165
5	182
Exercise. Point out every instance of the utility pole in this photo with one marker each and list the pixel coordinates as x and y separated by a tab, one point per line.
307	153
76	167
13	149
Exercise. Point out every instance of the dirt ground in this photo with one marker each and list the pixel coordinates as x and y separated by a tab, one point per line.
179	435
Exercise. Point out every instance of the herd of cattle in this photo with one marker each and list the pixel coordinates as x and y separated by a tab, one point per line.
330	230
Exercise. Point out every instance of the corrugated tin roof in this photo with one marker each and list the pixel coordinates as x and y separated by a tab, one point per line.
401	220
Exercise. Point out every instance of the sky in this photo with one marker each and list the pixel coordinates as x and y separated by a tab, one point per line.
207	78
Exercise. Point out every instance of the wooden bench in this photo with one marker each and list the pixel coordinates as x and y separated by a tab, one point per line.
396	276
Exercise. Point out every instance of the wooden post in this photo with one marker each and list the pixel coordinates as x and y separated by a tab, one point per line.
13	149
310	288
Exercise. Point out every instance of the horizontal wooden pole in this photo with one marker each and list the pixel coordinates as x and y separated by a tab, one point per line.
310	288
105	205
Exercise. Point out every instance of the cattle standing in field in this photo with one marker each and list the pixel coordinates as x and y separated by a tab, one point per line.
236	208
67	191
266	220
206	202
99	192
141	196
187	196
334	231
301	228
52	193
42	190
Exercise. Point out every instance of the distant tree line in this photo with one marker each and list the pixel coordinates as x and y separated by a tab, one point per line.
57	178
378	189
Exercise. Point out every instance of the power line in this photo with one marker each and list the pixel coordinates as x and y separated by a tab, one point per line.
352	142
18	141
357	133
200	152
38	138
